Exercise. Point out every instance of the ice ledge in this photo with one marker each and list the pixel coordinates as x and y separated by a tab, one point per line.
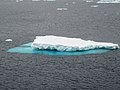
69	44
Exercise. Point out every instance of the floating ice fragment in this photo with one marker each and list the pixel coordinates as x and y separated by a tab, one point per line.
88	0
60	9
94	6
35	0
73	2
19	0
49	0
68	44
66	4
8	40
109	1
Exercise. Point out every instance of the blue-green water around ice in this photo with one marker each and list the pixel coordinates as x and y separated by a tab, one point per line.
26	48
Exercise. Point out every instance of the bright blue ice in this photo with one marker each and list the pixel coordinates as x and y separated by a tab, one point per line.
26	48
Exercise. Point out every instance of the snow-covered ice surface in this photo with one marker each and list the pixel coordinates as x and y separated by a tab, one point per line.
109	1
69	44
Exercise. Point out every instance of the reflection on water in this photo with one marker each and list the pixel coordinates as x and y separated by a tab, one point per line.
26	48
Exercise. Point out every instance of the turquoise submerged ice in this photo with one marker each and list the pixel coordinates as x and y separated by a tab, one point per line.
27	49
69	44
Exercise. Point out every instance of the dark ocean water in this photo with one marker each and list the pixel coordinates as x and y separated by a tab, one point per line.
22	21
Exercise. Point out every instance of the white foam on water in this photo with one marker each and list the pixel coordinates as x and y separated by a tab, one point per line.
109	1
69	44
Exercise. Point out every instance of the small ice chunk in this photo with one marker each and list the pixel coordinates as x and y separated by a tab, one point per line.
109	1
66	4
19	0
8	40
73	2
60	9
35	0
49	0
94	6
68	44
89	1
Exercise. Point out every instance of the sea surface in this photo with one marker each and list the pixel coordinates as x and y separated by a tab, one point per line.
21	21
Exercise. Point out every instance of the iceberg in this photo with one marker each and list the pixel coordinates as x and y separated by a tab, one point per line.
67	44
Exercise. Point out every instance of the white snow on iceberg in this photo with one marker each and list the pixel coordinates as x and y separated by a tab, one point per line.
68	44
